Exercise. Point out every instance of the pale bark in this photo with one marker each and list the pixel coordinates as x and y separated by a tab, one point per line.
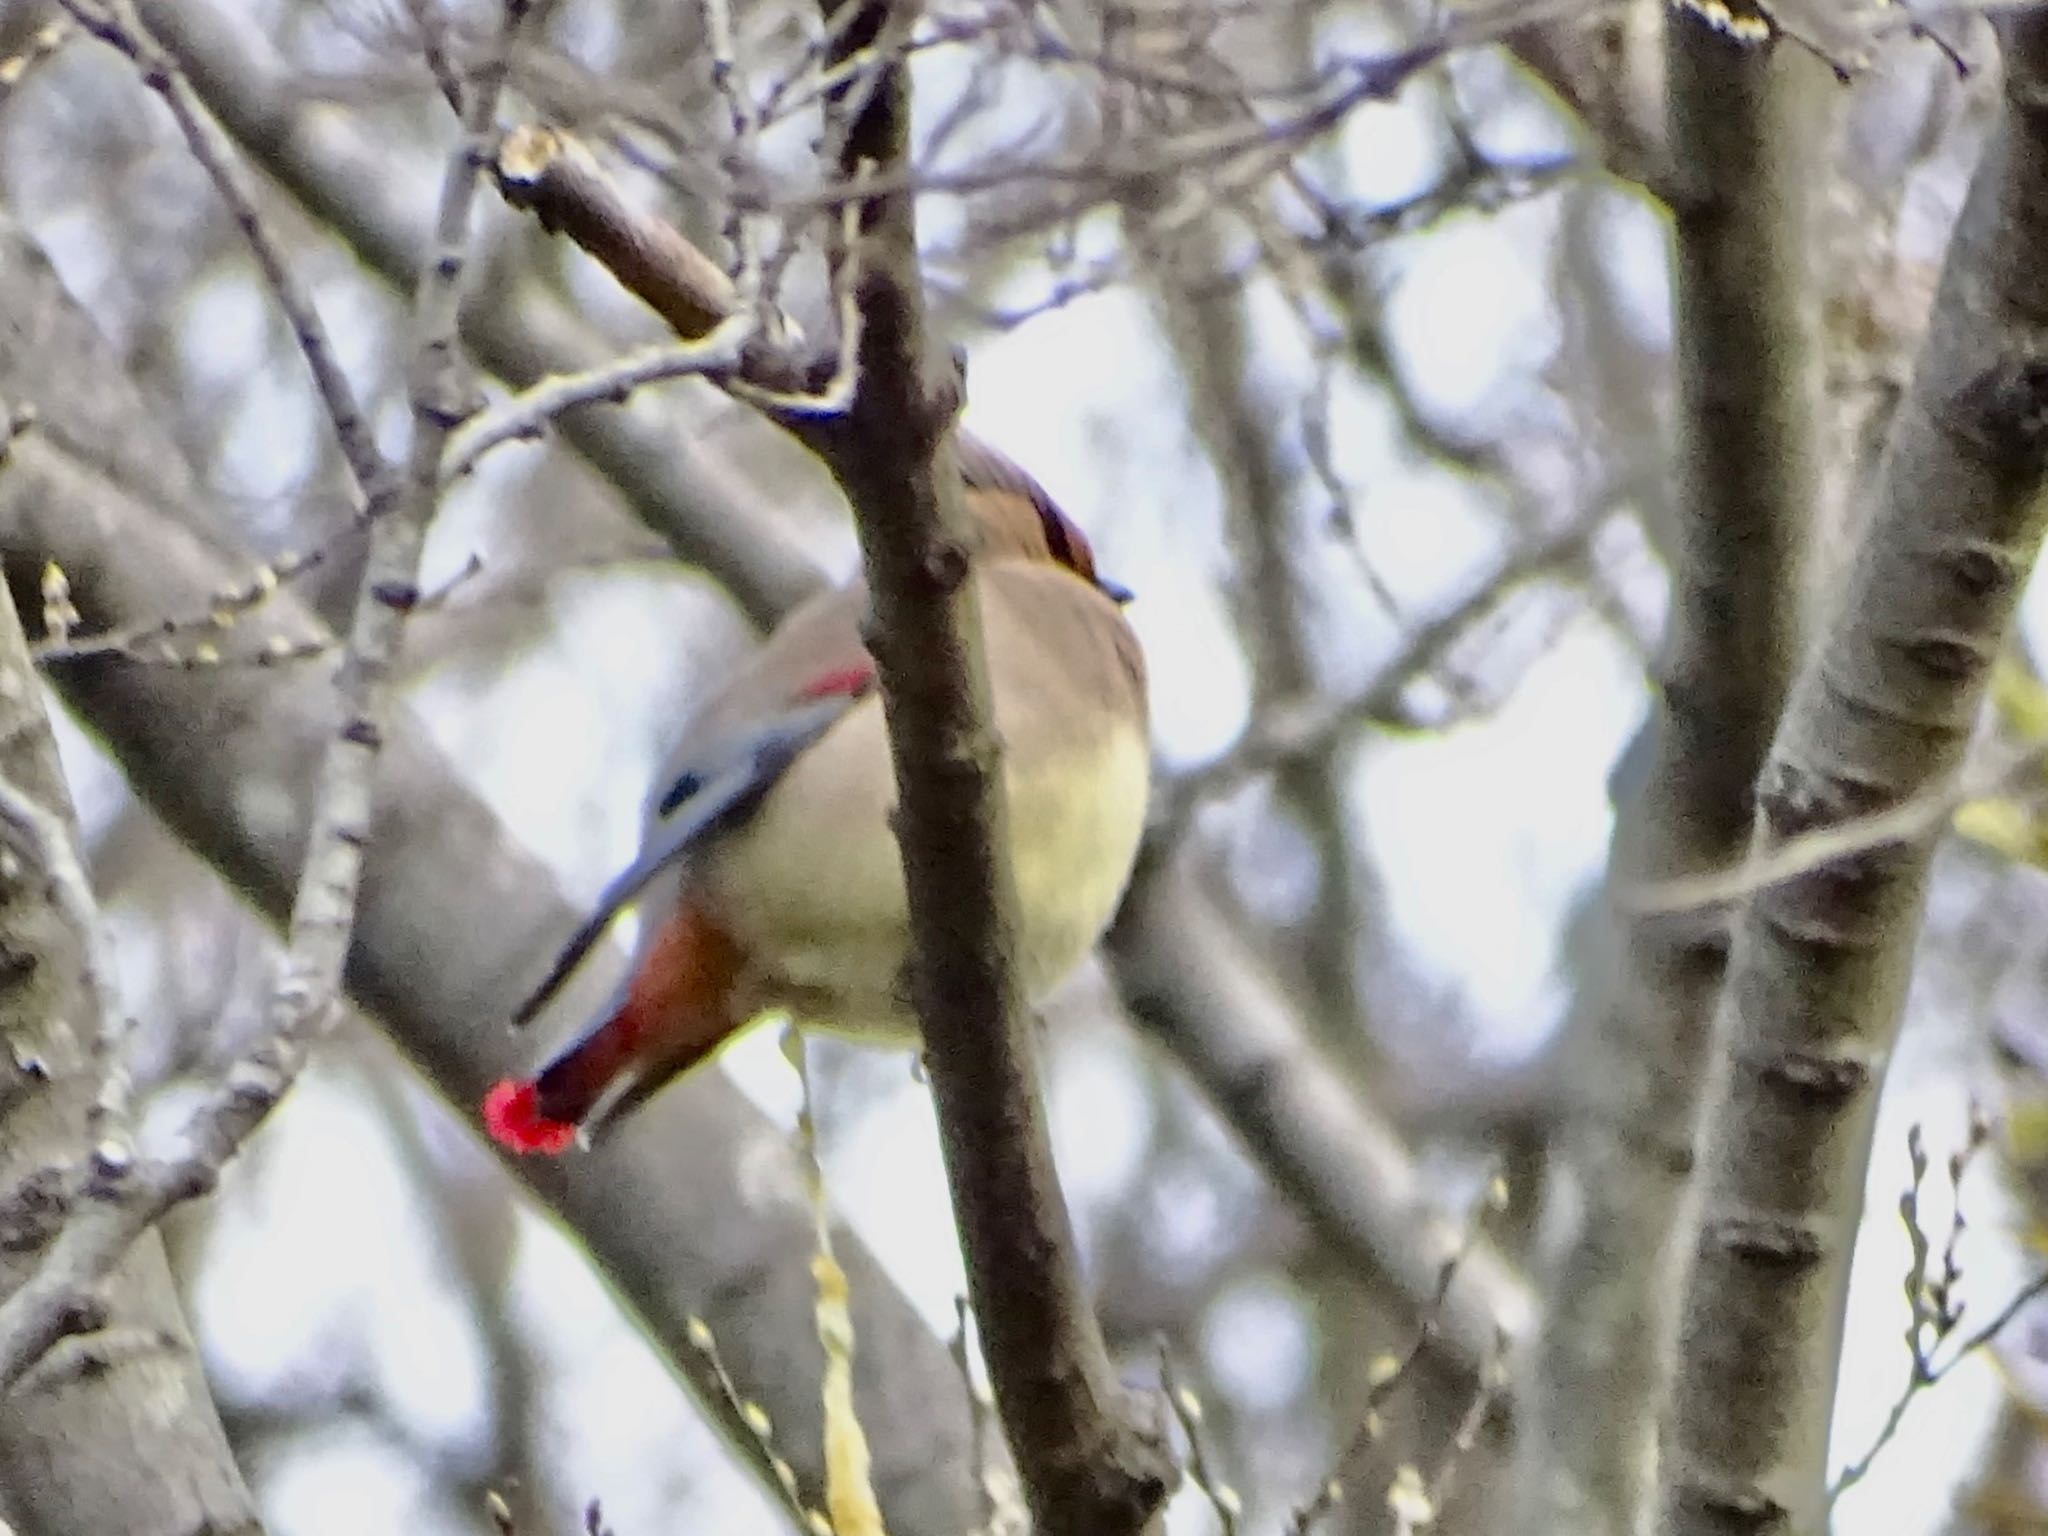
115	1433
1881	714
1744	439
1214	350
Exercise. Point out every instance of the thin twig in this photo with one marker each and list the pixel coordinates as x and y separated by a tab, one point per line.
1493	1378
739	154
436	50
756	1420
164	642
1101	176
43	44
1001	1509
1299	732
1935	1308
122	28
1397	1369
1846	840
526	415
1187	1410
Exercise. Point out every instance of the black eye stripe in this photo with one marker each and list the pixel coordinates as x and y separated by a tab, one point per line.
1057	537
984	469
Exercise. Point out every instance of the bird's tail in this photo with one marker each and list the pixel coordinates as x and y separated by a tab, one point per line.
674	1012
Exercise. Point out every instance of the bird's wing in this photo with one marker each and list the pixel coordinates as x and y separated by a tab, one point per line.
811	671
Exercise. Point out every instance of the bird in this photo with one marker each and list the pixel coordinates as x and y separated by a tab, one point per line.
768	878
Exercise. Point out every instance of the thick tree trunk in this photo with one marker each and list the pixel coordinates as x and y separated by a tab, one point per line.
114	1433
1745	444
1881	716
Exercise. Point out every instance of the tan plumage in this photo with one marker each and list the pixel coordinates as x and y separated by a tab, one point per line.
770	879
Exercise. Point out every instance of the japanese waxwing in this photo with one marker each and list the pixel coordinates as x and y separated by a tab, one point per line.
769	878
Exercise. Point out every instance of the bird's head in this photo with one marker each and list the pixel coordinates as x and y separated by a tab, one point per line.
1016	518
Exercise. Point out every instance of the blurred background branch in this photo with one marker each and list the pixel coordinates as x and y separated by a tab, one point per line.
1745	440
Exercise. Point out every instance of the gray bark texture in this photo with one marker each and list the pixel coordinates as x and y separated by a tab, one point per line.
115	1432
520	335
453	915
1881	715
1745	477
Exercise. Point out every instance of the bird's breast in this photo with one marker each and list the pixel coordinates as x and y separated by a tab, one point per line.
812	883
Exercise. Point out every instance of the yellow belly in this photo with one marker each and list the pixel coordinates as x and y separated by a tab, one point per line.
818	899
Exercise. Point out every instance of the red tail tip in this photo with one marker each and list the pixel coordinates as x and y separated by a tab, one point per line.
512	1116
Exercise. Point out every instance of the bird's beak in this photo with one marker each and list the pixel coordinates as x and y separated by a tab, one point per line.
626	1093
1115	591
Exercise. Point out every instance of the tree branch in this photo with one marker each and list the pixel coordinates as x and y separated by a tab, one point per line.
1882	711
1212	344
109	1441
118	24
1746	475
129	1196
1088	1468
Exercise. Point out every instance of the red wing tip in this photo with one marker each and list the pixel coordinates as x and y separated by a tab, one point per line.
513	1118
841	682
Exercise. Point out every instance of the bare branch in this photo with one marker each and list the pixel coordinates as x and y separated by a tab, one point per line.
1413	1498
42	839
1935	1310
528	414
524	335
1744	451
121	27
1224	1500
1883	709
1086	1464
755	1418
1925	815
436	48
187	640
801	389
559	182
119	1434
453	908
1300	730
